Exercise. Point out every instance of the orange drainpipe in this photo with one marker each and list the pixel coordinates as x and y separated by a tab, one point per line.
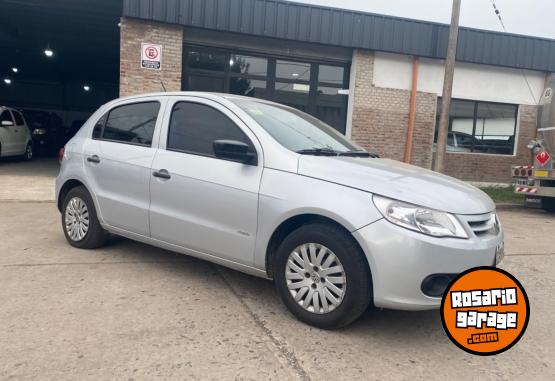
412	111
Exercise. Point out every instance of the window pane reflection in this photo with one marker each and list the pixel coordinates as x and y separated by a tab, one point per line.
331	106
248	65
292	94
480	127
206	60
293	70
330	74
247	87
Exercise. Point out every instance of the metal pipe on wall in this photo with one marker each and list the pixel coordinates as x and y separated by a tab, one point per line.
412	112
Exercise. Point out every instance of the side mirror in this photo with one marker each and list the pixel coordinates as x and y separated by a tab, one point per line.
234	151
7	123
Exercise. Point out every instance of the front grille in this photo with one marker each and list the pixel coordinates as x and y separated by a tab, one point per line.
483	224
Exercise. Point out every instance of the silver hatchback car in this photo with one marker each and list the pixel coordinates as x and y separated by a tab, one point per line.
271	191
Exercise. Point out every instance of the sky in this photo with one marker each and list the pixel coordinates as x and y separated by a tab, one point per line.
529	17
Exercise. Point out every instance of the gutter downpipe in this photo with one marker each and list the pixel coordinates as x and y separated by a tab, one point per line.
412	112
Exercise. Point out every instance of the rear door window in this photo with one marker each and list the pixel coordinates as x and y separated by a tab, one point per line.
132	123
6	116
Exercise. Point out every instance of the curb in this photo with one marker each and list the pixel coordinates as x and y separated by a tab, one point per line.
509	206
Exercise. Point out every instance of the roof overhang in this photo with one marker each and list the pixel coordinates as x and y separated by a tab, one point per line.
338	27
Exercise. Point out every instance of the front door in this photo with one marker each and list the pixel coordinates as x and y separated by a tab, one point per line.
21	131
198	201
118	159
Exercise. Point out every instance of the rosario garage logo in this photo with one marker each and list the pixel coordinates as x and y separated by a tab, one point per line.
485	311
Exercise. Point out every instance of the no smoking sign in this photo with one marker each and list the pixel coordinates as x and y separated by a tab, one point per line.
151	56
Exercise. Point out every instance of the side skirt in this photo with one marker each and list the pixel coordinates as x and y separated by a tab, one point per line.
193	253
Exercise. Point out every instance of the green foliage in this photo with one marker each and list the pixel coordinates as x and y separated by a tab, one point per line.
504	195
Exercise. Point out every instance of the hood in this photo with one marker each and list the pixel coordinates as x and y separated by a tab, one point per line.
400	181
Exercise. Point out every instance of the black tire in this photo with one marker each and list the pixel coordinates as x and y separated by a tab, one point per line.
28	155
548	204
96	236
358	294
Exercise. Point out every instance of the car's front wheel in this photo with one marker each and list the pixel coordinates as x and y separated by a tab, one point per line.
322	277
79	220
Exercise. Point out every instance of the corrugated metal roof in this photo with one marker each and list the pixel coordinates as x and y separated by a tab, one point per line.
339	27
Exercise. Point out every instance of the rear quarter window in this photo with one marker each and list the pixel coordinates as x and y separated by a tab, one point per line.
18	118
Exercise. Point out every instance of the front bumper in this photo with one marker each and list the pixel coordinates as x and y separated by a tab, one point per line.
400	260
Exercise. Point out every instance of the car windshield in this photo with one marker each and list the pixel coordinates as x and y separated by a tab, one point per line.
296	130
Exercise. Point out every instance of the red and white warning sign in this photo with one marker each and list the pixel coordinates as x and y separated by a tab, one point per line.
151	56
543	158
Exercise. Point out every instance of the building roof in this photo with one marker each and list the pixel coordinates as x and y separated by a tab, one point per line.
347	28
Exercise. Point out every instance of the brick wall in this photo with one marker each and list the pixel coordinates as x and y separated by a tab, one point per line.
380	116
134	79
380	119
495	168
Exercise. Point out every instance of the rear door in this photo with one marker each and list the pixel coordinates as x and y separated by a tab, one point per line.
8	135
205	204
118	159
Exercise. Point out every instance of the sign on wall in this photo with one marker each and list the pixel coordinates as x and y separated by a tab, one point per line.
151	56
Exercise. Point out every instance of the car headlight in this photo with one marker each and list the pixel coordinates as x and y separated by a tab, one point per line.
39	131
420	219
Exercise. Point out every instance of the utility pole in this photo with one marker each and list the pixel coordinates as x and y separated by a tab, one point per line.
447	87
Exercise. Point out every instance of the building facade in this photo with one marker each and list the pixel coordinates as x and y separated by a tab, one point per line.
368	76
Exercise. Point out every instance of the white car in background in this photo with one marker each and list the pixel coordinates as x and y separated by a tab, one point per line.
15	137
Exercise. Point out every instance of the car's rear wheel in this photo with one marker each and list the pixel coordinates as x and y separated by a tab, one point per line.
548	204
79	220
28	155
322	277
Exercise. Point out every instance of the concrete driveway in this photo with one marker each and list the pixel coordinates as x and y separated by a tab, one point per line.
28	181
134	312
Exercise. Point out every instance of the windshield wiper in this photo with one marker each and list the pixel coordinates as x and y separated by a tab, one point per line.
356	154
319	152
360	154
332	152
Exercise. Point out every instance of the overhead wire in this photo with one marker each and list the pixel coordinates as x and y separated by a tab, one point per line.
498	14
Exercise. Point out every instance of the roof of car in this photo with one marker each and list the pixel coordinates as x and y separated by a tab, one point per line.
200	94
182	93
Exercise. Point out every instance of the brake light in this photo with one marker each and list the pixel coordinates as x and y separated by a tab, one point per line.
61	154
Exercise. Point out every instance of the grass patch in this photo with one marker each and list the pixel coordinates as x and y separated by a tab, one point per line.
504	195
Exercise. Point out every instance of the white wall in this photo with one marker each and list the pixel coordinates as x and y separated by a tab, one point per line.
472	81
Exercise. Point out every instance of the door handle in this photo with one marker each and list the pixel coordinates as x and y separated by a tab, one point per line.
93	159
162	174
